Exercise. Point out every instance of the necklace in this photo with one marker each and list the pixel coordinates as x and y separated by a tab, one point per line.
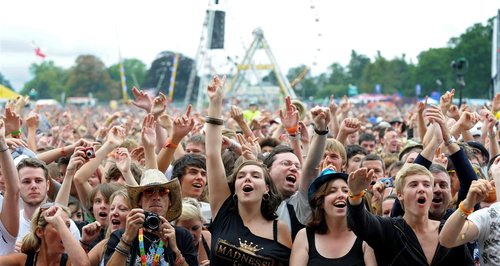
158	251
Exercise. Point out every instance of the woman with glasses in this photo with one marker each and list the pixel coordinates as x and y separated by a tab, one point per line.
49	242
244	211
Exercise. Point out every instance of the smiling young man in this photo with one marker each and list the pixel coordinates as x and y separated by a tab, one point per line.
409	240
191	171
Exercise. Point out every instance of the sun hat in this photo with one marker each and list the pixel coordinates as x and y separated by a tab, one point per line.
153	178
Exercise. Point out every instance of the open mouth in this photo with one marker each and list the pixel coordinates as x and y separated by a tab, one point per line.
103	214
115	222
373	183
197	185
437	200
247	188
340	204
421	200
291	179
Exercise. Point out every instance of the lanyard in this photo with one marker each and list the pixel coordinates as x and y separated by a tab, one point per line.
157	254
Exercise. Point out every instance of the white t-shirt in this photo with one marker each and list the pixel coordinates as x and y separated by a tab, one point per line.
24	227
487	221
7	241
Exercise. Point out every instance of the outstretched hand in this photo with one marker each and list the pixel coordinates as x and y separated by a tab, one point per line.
142	99
215	90
359	180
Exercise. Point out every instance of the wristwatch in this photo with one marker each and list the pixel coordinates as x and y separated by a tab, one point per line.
450	141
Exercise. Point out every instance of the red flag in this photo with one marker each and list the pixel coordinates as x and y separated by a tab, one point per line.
39	52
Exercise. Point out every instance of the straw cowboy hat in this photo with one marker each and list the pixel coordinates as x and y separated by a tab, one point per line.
152	178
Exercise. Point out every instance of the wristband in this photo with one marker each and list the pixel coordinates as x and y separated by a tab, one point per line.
170	144
294	136
214	121
292	130
357	196
17	132
321	132
63	153
463	212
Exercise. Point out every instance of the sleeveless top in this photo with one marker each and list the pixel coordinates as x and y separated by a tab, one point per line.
32	257
355	256
234	244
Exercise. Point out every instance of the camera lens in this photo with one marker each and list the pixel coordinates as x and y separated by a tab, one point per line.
151	221
90	153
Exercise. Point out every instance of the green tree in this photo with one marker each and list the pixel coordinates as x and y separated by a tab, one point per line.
48	80
356	66
135	72
433	71
89	75
5	82
475	46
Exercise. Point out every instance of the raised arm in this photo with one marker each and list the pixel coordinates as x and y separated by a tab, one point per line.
334	122
290	121
123	161
181	126
10	205
237	115
321	117
76	161
458	230
32	122
217	183
148	140
115	138
348	127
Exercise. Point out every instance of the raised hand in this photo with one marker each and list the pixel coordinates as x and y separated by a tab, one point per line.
453	112
321	117
290	119
21	103
159	105
165	122
182	125
237	114
421	105
142	99
349	126
148	133
359	180
116	136
76	161
440	158
333	107
215	90
137	155
122	160
468	120
32	120
478	191
12	121
304	134
446	101
496	103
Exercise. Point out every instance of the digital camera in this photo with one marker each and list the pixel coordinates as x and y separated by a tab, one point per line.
388	182
88	153
151	221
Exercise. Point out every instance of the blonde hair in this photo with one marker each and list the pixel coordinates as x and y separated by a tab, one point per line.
410	169
124	194
333	145
31	242
190	210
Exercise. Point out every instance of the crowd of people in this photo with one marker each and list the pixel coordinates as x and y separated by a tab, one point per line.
148	184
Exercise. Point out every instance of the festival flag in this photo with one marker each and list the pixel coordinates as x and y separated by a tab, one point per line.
123	80
38	51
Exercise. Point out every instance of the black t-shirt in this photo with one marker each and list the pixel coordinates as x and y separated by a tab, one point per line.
183	238
355	256
234	244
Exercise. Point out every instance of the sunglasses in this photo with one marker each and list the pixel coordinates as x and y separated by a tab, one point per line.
151	191
44	207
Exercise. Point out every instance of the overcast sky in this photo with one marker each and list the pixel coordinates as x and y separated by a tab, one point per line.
298	31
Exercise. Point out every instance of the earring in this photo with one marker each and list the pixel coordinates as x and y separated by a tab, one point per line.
266	197
235	197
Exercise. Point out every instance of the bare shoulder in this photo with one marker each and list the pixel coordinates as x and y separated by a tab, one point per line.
13	259
284	235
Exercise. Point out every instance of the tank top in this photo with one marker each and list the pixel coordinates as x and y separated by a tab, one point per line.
354	257
32	257
234	244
